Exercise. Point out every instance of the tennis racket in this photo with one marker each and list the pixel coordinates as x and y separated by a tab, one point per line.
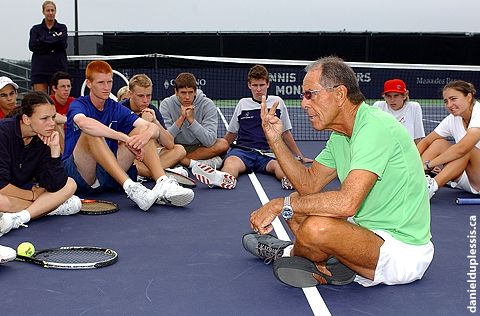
186	182
267	153
72	258
468	201
98	207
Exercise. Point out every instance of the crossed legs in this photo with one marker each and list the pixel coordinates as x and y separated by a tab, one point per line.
317	238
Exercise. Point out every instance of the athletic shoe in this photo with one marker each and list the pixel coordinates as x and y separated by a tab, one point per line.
9	221
301	272
168	191
267	247
69	207
432	186
215	162
139	194
211	177
7	254
286	184
179	169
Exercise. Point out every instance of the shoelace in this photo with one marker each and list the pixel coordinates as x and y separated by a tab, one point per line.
268	252
132	190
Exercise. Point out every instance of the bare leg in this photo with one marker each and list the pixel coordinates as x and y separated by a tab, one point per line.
317	237
219	148
168	157
473	168
234	166
45	203
90	150
274	167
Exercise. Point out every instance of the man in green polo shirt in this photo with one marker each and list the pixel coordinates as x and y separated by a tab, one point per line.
376	227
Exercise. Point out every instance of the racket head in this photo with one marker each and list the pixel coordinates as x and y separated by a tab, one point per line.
74	258
98	207
186	182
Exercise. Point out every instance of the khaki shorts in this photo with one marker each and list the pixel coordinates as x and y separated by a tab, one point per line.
190	148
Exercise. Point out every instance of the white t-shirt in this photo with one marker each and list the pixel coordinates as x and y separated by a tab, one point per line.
410	115
452	126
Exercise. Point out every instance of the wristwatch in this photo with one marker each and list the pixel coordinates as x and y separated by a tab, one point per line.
287	210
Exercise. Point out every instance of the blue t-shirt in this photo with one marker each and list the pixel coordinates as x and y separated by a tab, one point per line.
114	115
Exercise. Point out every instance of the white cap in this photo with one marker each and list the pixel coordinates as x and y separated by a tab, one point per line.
6	81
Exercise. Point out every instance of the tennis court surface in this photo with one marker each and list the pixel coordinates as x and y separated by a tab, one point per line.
190	261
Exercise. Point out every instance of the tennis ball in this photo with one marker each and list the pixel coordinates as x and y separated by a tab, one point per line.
25	249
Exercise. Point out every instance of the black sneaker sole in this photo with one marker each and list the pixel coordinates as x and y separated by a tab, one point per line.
298	272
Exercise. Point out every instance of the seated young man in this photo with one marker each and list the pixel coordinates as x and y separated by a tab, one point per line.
8	96
61	86
192	119
139	97
102	140
246	128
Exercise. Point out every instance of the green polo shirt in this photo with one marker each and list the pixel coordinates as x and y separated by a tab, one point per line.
398	202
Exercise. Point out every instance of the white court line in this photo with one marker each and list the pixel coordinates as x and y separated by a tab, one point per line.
315	300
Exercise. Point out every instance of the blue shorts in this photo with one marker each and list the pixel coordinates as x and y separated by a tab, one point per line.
107	183
252	160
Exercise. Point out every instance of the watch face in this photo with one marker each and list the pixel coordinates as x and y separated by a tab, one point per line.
287	213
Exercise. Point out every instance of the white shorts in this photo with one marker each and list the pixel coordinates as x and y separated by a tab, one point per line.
398	262
463	183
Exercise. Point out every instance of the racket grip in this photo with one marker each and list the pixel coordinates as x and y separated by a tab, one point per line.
468	201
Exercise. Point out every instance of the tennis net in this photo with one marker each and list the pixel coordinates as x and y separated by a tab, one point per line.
224	81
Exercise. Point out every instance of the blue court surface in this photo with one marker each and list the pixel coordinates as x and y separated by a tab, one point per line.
190	261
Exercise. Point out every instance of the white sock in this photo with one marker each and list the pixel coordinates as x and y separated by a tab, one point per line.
164	177
193	162
127	183
25	216
287	251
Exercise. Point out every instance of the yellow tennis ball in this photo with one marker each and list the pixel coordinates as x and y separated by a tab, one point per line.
25	249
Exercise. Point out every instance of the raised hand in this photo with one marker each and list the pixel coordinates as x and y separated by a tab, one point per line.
271	124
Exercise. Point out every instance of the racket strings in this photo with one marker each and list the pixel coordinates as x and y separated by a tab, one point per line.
68	256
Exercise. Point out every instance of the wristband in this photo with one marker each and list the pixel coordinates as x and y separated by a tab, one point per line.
299	157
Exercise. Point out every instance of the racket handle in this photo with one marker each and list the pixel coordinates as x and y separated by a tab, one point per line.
468	201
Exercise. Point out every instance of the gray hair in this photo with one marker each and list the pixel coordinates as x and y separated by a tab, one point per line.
335	72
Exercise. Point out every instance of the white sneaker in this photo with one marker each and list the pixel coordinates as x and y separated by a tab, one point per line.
139	194
215	162
9	221
432	186
178	169
210	176
69	207
7	254
168	191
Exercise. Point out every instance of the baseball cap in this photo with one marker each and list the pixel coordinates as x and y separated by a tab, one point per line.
6	81
394	85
